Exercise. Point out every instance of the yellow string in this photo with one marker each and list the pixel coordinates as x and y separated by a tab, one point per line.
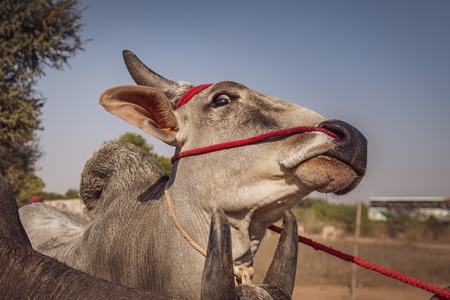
242	273
179	227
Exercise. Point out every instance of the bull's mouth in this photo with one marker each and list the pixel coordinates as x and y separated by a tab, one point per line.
320	167
331	165
327	174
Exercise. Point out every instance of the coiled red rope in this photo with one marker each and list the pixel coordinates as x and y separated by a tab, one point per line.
365	264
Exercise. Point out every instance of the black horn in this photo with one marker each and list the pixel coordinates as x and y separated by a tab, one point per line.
281	274
218	276
143	75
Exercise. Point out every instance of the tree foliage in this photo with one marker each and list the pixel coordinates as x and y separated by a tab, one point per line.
139	141
34	34
70	194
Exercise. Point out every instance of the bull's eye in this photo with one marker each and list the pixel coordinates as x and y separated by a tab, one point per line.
221	100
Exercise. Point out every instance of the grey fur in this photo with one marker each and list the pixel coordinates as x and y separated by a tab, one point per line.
27	274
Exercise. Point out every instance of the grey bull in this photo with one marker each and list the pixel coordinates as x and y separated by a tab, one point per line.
138	211
27	274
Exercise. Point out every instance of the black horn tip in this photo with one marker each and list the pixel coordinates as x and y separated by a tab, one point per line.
130	58
218	276
281	273
127	53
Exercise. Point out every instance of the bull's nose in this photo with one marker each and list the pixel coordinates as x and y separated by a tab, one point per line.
351	148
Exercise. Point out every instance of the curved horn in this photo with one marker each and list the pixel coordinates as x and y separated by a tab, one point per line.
218	276
281	273
143	75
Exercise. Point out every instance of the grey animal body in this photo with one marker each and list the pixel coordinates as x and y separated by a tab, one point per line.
28	274
131	238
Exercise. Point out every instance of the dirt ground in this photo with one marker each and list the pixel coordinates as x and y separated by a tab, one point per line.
322	276
322	292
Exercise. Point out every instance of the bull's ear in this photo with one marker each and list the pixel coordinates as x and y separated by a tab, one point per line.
144	107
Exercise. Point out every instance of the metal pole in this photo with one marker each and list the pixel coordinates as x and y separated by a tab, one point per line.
355	250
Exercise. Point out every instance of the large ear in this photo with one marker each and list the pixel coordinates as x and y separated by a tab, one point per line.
144	107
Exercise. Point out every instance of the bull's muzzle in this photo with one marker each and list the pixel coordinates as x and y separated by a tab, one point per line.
351	149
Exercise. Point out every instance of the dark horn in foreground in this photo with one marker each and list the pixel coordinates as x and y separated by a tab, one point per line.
281	273
218	277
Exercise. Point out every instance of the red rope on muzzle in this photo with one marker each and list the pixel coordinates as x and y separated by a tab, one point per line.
252	140
239	143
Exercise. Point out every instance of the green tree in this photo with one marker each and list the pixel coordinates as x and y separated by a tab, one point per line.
139	141
72	194
34	34
51	196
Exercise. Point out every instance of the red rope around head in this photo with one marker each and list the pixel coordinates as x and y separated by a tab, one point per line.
191	93
365	264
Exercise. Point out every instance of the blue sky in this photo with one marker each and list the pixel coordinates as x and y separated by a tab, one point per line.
383	66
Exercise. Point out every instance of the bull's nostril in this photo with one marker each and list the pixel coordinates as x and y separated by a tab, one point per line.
337	127
337	132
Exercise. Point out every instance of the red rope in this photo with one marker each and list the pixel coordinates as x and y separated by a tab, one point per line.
365	264
191	93
252	140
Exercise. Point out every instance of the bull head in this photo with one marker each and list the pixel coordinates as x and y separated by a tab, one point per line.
151	107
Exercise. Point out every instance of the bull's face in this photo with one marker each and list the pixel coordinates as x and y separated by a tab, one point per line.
253	184
229	111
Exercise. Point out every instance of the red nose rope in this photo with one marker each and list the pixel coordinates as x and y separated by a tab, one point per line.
317	246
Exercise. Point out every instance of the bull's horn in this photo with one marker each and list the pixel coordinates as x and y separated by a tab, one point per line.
218	276
143	75
281	273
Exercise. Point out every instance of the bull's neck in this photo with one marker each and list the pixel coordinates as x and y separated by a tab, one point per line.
193	202
190	219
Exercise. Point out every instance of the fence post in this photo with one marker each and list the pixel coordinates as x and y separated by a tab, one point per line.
355	250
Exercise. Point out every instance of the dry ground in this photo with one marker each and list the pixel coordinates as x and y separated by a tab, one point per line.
322	292
321	276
